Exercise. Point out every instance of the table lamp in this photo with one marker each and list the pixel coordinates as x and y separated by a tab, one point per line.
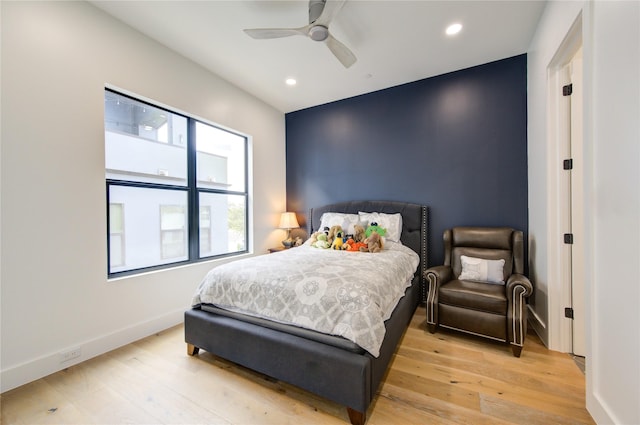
288	221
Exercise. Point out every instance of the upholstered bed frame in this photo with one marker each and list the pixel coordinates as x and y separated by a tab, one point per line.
317	364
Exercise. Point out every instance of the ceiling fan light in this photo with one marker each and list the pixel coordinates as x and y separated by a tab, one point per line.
291	81
453	29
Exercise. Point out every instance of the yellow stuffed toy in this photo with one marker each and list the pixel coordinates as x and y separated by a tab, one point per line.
337	240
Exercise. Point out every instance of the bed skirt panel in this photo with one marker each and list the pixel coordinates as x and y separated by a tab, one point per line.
301	362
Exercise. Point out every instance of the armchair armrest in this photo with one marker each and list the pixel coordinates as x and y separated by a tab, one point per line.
440	274
435	276
518	288
518	284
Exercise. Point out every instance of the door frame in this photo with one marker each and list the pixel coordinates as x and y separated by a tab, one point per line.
560	333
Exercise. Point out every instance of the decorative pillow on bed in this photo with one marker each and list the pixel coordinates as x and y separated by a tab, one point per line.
391	222
489	271
346	221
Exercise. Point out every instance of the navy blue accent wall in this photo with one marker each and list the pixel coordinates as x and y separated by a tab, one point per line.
455	142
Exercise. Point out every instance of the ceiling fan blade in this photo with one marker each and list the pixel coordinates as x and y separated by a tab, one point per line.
340	51
331	9
262	33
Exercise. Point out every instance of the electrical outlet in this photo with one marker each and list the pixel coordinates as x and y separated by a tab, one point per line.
74	353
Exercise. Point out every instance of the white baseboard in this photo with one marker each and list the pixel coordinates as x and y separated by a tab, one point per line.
40	367
538	325
599	411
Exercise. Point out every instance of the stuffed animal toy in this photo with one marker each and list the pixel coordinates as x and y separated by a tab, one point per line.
321	241
373	227
358	233
332	233
374	243
352	246
358	245
314	236
337	240
347	245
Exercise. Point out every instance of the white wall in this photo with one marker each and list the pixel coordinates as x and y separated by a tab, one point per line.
614	299
554	25
56	59
611	41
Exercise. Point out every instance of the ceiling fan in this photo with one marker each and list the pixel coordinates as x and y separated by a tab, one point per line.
321	12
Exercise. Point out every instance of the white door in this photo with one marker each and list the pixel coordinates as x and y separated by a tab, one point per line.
577	208
572	197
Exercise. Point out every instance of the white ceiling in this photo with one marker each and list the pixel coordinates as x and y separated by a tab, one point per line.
395	42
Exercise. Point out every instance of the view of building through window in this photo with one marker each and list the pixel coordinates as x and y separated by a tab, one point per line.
167	205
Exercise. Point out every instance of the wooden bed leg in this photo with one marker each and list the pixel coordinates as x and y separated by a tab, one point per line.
192	350
356	418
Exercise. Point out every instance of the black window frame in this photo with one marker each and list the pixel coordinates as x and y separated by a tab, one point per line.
193	195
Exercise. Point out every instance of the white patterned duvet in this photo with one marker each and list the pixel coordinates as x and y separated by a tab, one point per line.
349	294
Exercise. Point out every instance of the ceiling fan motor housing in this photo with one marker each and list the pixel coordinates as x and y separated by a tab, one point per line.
318	33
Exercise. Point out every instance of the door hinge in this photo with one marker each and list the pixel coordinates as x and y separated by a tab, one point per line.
568	312
568	238
567	164
567	90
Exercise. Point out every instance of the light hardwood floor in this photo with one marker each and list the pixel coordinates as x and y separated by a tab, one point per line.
445	378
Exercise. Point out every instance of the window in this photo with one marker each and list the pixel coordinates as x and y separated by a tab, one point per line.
116	234
205	230
173	231
176	187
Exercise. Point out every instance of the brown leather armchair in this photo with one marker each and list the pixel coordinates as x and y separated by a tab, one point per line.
493	310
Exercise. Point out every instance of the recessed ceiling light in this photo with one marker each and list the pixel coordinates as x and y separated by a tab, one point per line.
291	81
454	29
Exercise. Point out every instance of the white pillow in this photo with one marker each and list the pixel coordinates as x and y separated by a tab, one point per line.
346	221
490	271
391	222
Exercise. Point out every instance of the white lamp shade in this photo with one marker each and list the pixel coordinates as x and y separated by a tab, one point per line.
288	221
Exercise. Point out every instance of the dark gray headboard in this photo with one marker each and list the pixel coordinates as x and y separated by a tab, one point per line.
414	222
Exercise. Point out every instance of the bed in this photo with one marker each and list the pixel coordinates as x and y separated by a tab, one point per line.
334	366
